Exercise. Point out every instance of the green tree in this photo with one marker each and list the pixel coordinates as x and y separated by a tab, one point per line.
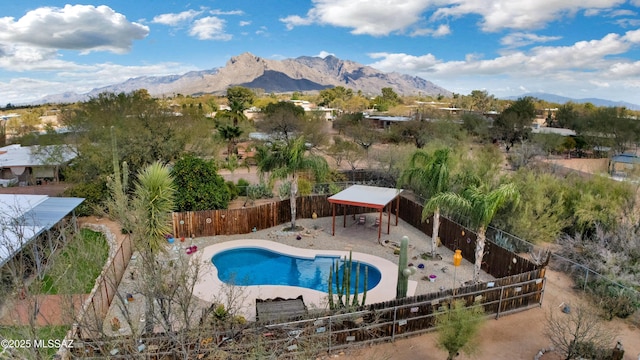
240	99
458	328
230	134
479	204
514	122
198	185
283	118
566	117
388	99
481	100
540	216
428	174
286	160
146	132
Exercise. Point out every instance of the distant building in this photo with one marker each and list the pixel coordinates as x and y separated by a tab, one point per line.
384	122
29	165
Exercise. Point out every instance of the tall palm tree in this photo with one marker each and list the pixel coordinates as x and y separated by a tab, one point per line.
428	174
285	160
480	204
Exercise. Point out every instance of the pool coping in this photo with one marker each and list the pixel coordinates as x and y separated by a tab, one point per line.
211	289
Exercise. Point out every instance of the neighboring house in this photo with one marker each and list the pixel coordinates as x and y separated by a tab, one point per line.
537	129
384	122
28	165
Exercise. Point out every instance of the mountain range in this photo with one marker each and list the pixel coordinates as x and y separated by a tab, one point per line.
302	74
273	76
563	100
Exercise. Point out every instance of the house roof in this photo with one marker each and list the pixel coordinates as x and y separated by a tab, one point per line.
367	196
16	155
626	159
24	217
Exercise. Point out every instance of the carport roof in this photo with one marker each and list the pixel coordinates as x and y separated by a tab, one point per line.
24	217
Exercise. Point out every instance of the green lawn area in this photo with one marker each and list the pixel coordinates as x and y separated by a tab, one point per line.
76	267
45	333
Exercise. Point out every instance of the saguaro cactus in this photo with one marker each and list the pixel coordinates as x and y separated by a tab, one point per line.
403	271
343	284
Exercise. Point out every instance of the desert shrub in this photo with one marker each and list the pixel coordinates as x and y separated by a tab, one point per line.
614	301
242	187
259	191
233	189
304	187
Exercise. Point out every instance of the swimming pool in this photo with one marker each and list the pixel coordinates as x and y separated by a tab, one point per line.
259	266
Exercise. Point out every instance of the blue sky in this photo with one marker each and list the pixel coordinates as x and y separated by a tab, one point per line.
574	48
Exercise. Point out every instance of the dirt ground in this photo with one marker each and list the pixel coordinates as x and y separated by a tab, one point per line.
515	336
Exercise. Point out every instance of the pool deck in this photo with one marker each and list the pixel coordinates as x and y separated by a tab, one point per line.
211	289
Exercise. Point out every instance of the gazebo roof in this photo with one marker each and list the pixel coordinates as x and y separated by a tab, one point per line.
367	196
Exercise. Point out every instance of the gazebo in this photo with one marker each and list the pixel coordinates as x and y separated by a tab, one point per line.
369	197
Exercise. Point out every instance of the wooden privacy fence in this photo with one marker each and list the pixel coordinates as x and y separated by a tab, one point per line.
498	262
318	332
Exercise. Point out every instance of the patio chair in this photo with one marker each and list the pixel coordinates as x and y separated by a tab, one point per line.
362	220
377	223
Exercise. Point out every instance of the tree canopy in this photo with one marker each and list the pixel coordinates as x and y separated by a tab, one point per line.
198	185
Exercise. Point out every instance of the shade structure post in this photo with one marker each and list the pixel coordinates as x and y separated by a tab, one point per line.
333	219
397	208
380	226
389	220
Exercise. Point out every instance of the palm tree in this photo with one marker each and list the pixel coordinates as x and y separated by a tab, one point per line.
429	175
230	133
480	204
285	160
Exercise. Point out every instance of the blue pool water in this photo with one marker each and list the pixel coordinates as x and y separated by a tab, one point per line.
253	266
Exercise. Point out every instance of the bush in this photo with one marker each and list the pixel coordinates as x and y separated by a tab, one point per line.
615	301
93	193
304	187
242	187
233	189
259	191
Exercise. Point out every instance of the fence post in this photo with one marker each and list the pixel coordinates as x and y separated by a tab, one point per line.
330	331
586	278
393	330
500	302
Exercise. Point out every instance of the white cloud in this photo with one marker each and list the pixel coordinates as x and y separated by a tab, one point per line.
173	19
75	27
383	17
441	30
585	66
209	28
244	23
323	54
519	39
222	13
509	14
501	14
371	17
292	21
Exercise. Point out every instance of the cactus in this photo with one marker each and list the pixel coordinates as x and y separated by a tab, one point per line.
343	284
403	276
